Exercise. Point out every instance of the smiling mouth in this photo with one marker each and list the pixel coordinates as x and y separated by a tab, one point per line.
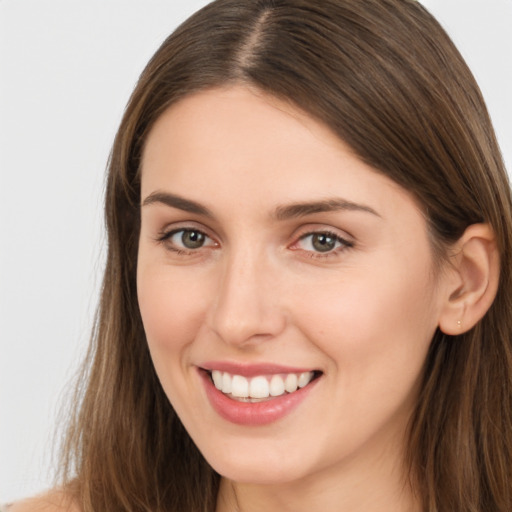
261	387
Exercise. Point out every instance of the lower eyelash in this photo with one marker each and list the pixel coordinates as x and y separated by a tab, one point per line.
164	236
330	254
345	245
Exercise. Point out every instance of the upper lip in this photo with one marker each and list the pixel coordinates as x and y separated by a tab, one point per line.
251	369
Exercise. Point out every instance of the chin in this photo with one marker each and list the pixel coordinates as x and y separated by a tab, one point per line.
249	473
257	466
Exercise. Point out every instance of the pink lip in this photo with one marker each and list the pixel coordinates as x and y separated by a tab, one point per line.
250	370
258	413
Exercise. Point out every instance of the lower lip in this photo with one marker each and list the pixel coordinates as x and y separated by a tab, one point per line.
257	413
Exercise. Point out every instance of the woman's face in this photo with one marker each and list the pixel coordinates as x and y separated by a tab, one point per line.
272	258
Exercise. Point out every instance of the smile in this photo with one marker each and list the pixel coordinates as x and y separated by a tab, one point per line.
256	394
259	387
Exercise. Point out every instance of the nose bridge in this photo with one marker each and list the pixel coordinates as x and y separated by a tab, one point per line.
246	306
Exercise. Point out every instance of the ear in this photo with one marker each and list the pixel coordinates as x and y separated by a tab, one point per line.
472	280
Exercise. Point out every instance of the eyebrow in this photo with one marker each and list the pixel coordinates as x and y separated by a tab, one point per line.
178	202
327	205
284	212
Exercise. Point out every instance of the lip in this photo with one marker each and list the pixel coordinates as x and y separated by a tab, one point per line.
257	413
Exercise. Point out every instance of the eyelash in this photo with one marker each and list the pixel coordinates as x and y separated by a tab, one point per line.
344	244
165	237
336	251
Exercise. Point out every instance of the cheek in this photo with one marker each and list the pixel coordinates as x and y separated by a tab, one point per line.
375	321
171	307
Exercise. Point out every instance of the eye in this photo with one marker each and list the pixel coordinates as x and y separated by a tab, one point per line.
190	239
322	243
183	240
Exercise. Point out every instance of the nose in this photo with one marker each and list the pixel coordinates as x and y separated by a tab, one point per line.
247	306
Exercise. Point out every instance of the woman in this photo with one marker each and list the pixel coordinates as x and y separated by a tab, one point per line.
306	304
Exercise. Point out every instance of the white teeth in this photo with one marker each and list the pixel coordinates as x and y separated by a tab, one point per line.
290	384
304	379
226	383
276	386
259	387
217	379
239	386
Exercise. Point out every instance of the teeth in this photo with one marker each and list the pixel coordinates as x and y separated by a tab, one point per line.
290	384
217	379
226	383
304	379
261	386
276	386
239	386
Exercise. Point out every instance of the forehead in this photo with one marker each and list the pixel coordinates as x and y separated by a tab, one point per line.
231	118
250	148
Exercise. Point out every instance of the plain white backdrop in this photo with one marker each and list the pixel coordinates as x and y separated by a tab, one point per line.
67	68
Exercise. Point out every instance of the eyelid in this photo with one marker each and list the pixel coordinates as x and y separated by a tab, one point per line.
345	240
164	237
183	225
312	228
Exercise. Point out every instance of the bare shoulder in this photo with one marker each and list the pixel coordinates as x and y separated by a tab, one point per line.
53	501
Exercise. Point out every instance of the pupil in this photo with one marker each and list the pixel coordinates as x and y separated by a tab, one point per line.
323	242
192	239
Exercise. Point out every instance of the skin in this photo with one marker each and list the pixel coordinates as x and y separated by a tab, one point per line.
257	291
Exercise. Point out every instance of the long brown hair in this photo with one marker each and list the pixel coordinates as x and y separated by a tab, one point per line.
385	77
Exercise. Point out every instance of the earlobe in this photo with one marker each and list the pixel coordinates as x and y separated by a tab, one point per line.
474	278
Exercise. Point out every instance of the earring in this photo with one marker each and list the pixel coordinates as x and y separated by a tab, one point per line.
459	323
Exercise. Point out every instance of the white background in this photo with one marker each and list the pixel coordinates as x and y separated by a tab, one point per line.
67	68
